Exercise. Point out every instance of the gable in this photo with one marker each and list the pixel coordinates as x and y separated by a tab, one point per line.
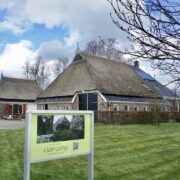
78	57
76	77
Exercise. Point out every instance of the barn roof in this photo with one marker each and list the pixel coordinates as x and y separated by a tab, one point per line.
163	90
152	83
18	89
98	73
143	74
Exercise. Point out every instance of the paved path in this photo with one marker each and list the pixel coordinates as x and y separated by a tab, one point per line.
11	124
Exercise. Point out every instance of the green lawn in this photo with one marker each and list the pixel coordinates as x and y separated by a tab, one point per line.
121	152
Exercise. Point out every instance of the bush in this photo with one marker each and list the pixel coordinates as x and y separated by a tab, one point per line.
124	117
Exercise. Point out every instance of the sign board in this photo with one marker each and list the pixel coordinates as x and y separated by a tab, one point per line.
53	135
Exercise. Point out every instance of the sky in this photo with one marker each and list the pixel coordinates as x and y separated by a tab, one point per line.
51	29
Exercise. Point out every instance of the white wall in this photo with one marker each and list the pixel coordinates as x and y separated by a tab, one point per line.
31	106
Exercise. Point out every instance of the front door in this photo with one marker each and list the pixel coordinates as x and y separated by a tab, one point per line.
88	101
82	101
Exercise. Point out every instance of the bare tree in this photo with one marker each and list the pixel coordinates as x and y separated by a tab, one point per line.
27	69
153	28
38	71
59	65
92	47
104	47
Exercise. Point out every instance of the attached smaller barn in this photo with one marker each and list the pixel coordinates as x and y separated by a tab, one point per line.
17	95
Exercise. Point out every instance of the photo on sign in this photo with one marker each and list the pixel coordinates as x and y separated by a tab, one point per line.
53	128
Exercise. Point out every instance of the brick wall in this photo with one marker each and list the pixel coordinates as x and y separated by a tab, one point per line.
60	106
102	105
75	104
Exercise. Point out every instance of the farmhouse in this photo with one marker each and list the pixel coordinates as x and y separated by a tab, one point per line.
97	83
17	95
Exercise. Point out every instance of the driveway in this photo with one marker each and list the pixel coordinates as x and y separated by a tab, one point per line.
11	124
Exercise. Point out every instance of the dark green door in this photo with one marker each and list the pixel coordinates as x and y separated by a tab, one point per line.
82	101
88	101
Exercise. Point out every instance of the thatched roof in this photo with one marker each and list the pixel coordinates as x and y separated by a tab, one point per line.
97	73
18	89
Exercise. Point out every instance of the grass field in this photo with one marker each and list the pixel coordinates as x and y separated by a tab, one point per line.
121	152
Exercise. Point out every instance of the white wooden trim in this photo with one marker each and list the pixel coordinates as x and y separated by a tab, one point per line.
129	102
102	96
59	111
74	97
65	102
16	102
92	91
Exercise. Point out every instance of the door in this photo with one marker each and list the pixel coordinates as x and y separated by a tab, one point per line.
92	101
82	101
88	101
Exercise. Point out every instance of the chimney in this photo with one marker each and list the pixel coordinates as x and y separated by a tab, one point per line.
136	64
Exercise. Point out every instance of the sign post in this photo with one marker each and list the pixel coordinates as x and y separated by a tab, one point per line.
91	155
54	135
27	147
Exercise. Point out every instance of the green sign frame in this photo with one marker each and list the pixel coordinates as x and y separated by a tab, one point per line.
51	135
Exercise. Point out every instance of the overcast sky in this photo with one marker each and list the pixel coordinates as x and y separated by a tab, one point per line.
51	29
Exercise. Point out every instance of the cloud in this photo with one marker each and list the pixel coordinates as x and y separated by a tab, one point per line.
6	4
52	50
14	27
72	39
13	57
84	19
13	17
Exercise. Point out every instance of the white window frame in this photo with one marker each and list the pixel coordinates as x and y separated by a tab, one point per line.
177	106
117	106
145	108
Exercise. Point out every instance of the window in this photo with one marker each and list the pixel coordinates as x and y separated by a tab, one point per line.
115	107
126	107
136	108
17	109
145	108
45	106
165	108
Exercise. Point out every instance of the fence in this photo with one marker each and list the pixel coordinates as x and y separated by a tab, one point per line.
123	117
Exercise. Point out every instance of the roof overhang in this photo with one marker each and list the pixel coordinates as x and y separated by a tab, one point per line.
16	100
171	98
134	100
